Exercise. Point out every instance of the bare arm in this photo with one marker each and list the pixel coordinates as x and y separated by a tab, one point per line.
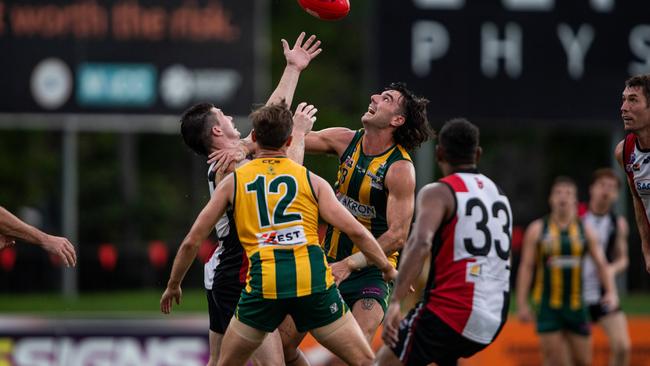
621	260
526	267
332	211
11	226
200	230
435	203
298	59
400	182
639	212
303	120
604	272
332	140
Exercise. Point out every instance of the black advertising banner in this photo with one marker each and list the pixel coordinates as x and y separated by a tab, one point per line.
515	59
130	56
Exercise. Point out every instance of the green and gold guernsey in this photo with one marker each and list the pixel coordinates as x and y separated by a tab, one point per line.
558	282
360	188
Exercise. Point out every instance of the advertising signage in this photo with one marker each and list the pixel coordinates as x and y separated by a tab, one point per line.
515	59
135	56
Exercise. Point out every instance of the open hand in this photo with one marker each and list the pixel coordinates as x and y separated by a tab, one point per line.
304	118
62	248
301	54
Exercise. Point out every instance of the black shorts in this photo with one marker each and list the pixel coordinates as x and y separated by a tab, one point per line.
222	302
597	311
425	338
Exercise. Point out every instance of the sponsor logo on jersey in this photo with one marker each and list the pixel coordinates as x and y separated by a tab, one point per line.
290	236
376	182
334	308
356	208
349	162
643	187
479	183
563	261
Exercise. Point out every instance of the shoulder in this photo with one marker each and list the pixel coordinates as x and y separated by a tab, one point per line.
618	152
535	228
433	194
399	173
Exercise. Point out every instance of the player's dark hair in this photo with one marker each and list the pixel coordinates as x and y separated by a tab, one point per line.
196	123
643	82
605	173
416	128
272	124
564	180
459	138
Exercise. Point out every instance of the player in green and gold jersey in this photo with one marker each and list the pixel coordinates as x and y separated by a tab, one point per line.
276	204
555	245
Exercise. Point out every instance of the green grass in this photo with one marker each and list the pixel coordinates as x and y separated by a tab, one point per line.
146	302
137	302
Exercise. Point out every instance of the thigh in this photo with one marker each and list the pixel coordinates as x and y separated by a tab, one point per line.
369	314
345	339
269	353
214	340
580	348
260	313
366	284
289	335
554	351
238	344
317	310
615	326
386	357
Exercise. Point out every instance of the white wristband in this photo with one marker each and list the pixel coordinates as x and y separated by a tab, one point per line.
358	261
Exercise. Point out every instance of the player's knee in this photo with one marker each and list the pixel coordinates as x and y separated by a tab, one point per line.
620	347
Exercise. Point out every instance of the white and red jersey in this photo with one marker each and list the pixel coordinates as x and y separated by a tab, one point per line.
469	280
637	169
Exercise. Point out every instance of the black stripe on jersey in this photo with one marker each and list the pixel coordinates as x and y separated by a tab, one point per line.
350	149
311	186
356	178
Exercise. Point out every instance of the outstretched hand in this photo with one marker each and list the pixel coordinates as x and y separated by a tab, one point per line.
304	118
301	54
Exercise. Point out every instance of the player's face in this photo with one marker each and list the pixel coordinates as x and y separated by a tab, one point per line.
564	198
226	124
383	109
604	190
635	110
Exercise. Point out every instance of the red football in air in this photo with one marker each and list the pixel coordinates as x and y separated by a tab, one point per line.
326	9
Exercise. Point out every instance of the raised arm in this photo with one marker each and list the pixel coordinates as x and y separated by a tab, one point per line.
526	267
214	209
333	140
12	227
332	211
298	59
610	298
303	120
435	203
639	212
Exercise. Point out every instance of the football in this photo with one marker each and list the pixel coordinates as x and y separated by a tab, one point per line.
326	9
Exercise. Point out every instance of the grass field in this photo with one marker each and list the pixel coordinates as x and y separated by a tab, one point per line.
146	302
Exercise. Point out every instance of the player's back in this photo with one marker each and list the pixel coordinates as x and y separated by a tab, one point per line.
276	215
469	281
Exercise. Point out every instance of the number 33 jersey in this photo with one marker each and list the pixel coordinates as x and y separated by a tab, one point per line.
469	280
276	215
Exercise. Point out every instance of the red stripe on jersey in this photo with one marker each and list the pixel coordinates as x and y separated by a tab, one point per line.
451	298
455	182
628	149
243	270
